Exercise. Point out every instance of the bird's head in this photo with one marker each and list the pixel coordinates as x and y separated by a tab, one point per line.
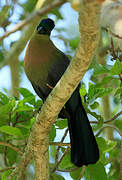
45	26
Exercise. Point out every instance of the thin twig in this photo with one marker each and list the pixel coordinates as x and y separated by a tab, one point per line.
5	156
67	170
21	166
114	117
57	164
11	146
115	35
82	172
59	144
109	126
16	120
6	169
5	148
57	152
110	120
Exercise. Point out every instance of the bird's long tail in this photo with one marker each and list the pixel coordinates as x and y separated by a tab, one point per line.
84	148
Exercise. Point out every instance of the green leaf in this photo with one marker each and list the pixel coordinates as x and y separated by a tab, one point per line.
38	104
61	123
57	177
28	6
74	42
2	56
117	68
6	174
30	99
11	130
24	108
105	145
76	174
98	117
95	92
104	81
52	134
4	13
10	154
94	105
3	98
25	92
5	109
66	162
95	172
118	91
118	123
83	91
53	151
28	96
100	69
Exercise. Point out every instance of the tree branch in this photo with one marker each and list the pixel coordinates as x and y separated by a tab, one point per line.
12	147
110	120
82	172
114	117
57	164
68	170
109	126
6	169
58	149
20	168
59	144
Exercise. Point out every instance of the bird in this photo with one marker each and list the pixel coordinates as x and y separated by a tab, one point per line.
44	65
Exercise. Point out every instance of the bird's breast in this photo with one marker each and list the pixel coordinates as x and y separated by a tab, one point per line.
37	61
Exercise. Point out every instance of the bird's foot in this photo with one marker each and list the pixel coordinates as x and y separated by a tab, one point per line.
49	86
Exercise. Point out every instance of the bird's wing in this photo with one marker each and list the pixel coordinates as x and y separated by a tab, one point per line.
58	67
